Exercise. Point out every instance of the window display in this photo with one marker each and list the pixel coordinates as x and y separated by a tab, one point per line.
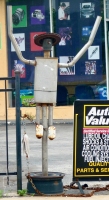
74	33
29	18
73	21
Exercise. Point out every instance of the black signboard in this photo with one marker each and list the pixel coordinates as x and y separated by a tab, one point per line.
91	140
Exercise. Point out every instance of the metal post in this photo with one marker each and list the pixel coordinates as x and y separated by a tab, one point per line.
50	115
7	156
44	141
106	50
18	131
51	24
38	107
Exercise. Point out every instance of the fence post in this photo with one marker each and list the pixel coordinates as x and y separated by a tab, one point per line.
18	131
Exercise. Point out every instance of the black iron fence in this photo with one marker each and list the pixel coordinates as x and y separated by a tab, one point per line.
16	79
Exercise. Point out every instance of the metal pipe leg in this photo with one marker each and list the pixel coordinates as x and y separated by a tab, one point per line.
44	141
50	115
51	129
38	107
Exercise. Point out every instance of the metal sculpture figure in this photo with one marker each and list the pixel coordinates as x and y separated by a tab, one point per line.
45	79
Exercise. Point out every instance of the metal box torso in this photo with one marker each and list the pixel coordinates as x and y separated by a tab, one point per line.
45	80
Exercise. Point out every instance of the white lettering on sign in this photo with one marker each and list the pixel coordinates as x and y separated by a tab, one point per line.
97	116
95	145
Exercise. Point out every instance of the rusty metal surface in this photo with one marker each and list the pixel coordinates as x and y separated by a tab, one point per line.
38	39
51	175
39	131
51	132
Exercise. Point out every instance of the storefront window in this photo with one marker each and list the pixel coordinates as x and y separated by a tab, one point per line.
73	21
29	18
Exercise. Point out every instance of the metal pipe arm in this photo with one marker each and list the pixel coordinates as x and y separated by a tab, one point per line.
13	40
85	47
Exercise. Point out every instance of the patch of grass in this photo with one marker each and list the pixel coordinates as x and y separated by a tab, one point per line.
22	192
1	193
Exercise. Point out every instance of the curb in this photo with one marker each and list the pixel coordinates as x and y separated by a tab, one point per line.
13	122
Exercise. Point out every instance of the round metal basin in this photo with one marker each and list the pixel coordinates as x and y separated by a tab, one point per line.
48	185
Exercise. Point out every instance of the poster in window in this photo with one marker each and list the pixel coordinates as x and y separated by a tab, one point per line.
20	39
66	36
86	31
94	53
90	67
66	70
19	16
20	66
64	11
87	10
35	47
37	14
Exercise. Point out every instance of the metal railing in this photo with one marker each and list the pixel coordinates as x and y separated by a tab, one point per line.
18	128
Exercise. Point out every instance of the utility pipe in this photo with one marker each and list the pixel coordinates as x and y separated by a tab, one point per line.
13	40
106	48
44	141
86	46
51	24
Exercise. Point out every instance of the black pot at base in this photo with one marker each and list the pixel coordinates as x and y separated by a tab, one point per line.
48	185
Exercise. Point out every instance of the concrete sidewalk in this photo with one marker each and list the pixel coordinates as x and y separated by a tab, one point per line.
60	159
100	197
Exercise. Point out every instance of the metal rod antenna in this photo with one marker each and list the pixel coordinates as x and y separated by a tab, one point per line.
13	40
95	28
